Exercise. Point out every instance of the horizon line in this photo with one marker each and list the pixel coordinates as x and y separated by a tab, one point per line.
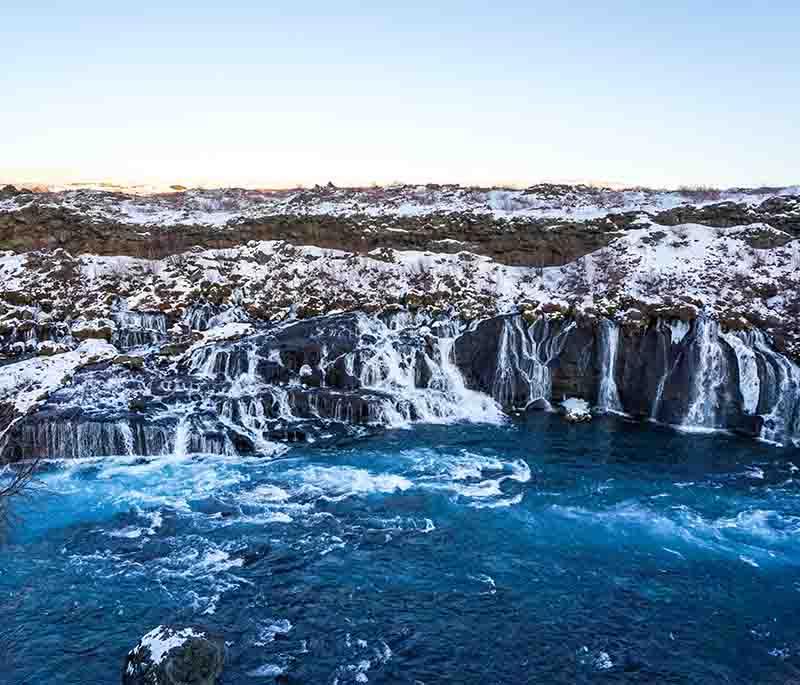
155	188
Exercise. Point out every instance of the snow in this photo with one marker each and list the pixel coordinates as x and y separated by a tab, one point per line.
161	640
701	267
576	409
30	381
644	268
227	331
226	207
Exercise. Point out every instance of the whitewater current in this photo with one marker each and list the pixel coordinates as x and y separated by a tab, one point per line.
524	551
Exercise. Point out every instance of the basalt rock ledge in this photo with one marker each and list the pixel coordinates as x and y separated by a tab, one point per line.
681	314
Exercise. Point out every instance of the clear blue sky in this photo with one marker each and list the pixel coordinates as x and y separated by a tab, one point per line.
280	93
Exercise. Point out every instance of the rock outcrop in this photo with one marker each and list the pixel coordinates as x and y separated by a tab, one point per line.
246	349
336	377
172	655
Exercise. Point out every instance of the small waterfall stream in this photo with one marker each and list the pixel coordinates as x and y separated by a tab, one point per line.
749	381
708	377
182	437
781	412
665	346
608	397
522	359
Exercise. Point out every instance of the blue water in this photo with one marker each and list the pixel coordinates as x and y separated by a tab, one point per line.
533	552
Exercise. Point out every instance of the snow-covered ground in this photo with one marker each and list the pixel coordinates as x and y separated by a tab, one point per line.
646	270
26	383
219	208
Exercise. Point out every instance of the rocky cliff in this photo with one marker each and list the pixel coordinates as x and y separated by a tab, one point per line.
141	325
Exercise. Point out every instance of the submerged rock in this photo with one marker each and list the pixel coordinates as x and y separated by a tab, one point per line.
172	655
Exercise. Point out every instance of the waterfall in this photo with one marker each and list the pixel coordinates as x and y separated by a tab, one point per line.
521	358
217	359
781	396
518	360
202	317
71	439
283	408
204	361
503	387
707	378
608	397
679	330
665	347
446	377
182	437
419	386
197	317
138	328
749	380
246	380
124	429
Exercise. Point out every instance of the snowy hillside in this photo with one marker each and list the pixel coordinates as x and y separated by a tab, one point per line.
683	313
224	207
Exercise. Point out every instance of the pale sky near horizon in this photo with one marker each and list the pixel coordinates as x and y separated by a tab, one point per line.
279	94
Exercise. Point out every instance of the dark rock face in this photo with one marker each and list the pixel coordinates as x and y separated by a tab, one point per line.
778	212
644	359
689	374
316	380
336	377
521	242
171	655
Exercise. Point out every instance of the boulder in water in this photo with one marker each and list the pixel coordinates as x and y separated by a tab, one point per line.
576	410
172	655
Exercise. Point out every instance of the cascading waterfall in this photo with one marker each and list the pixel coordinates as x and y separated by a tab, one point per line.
521	357
245	394
197	317
708	377
283	407
66	439
138	328
466	404
749	380
781	400
127	437
395	369
202	317
608	397
517	357
503	387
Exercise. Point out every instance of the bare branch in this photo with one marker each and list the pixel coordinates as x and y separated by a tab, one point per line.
15	476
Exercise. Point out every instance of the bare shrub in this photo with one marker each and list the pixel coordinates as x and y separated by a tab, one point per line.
15	478
701	193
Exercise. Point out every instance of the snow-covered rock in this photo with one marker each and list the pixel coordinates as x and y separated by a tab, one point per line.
576	410
171	655
226	207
